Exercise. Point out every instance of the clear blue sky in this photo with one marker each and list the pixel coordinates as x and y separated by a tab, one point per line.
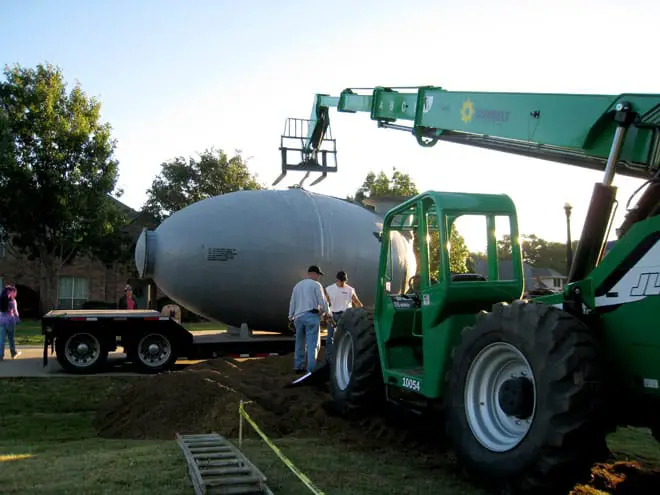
178	77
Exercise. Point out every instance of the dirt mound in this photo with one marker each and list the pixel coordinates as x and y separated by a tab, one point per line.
620	478
205	398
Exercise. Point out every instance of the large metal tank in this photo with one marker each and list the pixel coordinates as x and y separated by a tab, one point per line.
235	258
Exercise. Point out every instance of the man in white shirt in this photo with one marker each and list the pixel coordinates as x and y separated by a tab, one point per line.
307	304
341	296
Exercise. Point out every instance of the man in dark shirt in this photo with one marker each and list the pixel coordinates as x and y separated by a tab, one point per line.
126	301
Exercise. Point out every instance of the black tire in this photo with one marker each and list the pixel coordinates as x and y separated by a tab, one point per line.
163	360
72	361
566	432
364	388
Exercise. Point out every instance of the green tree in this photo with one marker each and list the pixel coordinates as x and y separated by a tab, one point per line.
182	182
5	139
459	254
56	174
533	248
399	184
538	252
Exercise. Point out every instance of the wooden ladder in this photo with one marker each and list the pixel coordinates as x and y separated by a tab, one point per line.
216	466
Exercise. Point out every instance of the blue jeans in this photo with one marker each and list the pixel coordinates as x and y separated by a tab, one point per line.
7	330
308	335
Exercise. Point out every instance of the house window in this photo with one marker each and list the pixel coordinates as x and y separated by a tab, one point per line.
556	282
72	293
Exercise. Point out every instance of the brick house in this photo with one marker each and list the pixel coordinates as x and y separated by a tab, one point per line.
83	280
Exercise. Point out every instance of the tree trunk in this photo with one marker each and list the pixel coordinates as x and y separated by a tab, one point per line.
50	269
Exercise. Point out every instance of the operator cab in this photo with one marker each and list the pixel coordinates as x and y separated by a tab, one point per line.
466	257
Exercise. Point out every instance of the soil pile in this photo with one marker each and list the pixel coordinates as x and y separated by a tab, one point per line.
621	478
205	398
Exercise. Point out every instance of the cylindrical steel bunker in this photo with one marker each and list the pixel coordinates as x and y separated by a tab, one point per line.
236	257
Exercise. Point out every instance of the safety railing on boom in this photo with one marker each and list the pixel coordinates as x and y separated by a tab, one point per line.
322	159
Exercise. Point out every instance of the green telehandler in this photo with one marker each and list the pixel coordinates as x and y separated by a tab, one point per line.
528	389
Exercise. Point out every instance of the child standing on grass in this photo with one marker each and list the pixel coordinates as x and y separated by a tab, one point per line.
9	316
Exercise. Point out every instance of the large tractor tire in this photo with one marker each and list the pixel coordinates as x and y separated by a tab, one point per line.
525	399
356	382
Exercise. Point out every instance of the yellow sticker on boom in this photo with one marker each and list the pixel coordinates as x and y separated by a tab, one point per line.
467	110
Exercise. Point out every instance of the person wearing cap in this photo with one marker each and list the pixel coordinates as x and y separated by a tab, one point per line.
307	304
341	296
126	301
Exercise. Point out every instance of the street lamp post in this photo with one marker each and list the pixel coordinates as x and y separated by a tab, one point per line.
569	249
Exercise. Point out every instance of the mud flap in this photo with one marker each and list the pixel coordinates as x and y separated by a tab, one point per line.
320	375
45	356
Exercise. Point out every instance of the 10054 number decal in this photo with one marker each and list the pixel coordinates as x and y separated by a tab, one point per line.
411	384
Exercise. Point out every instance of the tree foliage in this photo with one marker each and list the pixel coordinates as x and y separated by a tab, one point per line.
57	170
459	253
182	181
400	184
538	252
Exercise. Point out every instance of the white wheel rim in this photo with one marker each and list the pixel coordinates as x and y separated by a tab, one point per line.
82	350
343	360
154	350
490	424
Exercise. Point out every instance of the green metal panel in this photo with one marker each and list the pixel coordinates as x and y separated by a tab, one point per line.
563	120
388	105
631	328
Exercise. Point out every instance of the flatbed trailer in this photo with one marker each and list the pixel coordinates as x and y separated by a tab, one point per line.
82	340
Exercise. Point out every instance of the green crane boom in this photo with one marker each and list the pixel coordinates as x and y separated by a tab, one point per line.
567	128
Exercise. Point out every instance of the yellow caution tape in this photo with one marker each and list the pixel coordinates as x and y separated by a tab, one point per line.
287	462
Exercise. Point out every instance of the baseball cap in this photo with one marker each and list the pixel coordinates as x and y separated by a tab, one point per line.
342	276
315	269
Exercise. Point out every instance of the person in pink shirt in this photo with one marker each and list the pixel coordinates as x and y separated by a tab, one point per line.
126	301
9	317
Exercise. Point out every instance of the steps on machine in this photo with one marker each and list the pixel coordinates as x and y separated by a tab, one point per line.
216	467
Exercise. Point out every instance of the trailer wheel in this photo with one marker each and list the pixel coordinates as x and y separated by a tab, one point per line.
524	398
81	353
355	378
154	352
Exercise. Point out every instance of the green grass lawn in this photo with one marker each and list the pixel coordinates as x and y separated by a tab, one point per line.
48	445
28	332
